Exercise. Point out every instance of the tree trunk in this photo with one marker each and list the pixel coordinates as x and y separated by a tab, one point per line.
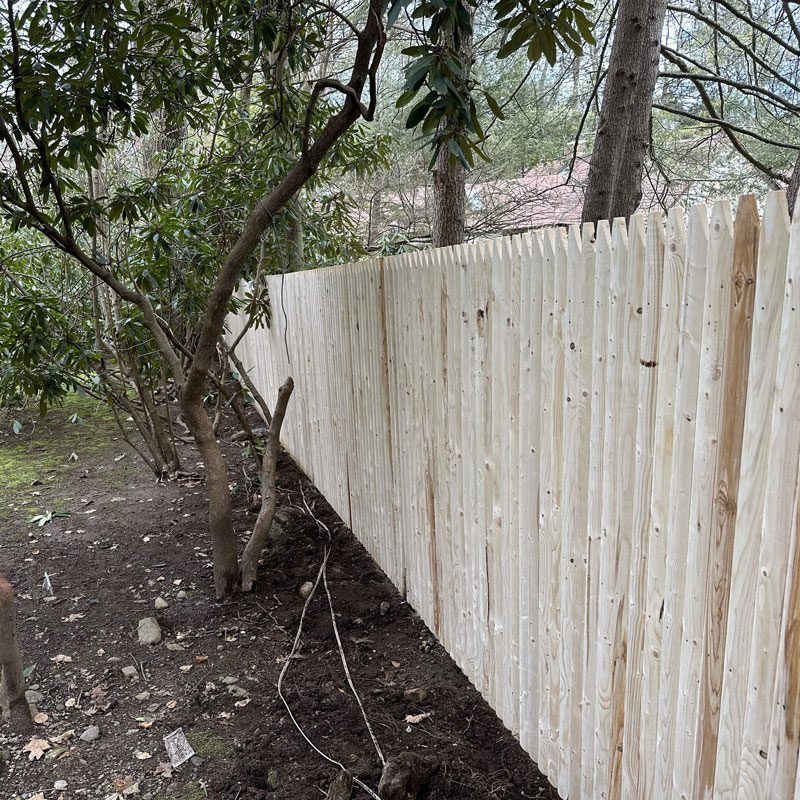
223	537
614	187
449	201
793	186
269	491
450	178
12	680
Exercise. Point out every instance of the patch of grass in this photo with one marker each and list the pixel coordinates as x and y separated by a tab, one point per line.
209	745
189	791
41	452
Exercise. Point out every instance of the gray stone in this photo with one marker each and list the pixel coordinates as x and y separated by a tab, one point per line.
160	604
238	691
33	697
182	595
197	760
91	734
60	786
130	671
306	589
149	631
384	608
229	680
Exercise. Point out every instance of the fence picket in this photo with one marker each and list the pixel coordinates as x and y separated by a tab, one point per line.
650	367
600	357
579	457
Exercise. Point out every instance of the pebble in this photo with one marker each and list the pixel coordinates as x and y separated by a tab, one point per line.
306	589
91	734
114	660
229	680
238	691
60	786
384	608
182	595
142	696
160	604
149	631
33	697
174	646
130	671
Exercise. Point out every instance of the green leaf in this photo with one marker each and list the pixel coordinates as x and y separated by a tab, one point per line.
494	106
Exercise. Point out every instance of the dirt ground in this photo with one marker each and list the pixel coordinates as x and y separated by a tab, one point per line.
128	542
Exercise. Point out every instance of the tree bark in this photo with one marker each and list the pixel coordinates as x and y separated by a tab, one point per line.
269	492
614	187
449	201
12	680
450	178
223	536
793	186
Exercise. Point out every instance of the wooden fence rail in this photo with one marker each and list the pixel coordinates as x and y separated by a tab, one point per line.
577	453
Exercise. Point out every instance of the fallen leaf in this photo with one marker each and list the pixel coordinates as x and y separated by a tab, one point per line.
201	659
63	737
71	703
73	618
164	768
172	703
413	719
141	755
36	748
62	659
37	796
242	703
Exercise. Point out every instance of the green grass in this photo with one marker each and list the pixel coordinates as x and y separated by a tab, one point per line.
41	452
189	791
209	745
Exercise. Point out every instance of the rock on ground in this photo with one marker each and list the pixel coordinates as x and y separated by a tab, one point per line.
149	631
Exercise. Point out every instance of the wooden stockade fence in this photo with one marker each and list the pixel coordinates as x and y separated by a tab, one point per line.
577	452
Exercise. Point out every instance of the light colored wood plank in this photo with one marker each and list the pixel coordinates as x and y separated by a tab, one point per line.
677	534
755	455
577	428
528	489
701	521
549	532
668	368
600	357
607	605
726	488
780	557
634	749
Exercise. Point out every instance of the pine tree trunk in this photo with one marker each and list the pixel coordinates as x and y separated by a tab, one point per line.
12	680
450	180
614	188
449	201
793	186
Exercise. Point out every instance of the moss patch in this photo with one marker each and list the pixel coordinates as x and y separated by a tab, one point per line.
32	461
189	791
209	745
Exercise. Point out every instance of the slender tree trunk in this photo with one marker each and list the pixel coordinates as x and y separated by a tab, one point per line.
614	188
793	185
449	201
269	492
223	536
450	180
12	680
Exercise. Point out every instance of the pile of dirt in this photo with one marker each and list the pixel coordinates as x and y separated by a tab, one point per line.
134	549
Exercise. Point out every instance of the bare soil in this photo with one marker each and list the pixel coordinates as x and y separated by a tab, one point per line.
128	541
